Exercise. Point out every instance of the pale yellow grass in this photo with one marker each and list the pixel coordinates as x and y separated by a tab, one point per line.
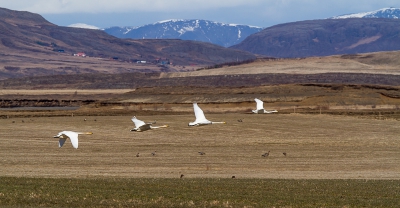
317	147
312	65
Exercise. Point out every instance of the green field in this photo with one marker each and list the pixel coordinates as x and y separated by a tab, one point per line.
40	192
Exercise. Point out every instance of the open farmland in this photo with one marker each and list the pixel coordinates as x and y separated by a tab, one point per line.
331	161
339	132
317	147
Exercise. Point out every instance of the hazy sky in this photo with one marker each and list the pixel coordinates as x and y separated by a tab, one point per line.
262	13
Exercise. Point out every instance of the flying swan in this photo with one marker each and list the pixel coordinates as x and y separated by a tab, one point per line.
260	107
200	118
73	136
142	126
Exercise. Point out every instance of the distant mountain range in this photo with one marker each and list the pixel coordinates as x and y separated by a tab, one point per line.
325	37
345	34
392	13
198	30
225	35
27	32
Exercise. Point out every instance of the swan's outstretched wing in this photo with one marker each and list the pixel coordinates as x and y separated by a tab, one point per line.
73	136
61	142
145	127
64	135
200	117
260	104
138	123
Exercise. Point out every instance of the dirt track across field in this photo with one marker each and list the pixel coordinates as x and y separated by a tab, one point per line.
316	147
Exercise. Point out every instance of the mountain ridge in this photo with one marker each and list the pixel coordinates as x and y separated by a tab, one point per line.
391	13
188	29
30	45
20	18
324	38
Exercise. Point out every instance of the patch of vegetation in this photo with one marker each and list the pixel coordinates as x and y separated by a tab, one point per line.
145	192
233	63
42	43
11	68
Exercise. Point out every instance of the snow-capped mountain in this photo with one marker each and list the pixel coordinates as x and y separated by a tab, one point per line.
83	25
393	13
199	30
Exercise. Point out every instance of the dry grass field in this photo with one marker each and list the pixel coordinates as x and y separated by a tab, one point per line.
316	147
341	144
369	63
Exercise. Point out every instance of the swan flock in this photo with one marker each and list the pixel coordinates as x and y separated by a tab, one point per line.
140	126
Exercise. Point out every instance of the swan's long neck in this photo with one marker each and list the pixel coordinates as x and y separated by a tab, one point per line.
157	127
88	133
270	111
218	122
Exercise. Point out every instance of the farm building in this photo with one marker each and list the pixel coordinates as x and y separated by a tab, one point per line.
81	54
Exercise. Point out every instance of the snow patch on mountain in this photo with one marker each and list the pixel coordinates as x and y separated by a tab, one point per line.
83	25
393	13
170	20
186	29
128	29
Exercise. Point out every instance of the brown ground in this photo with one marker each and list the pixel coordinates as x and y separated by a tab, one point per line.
317	147
344	130
311	98
370	63
17	65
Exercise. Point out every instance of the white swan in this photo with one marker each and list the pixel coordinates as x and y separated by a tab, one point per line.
260	107
142	126
73	136
200	118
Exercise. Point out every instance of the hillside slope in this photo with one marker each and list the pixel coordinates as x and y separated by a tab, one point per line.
372	69
28	43
325	37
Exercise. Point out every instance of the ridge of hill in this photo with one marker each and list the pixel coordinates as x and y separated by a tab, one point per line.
392	13
195	29
32	46
325	37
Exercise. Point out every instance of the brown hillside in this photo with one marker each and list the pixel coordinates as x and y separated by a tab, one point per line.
371	69
325	37
31	46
